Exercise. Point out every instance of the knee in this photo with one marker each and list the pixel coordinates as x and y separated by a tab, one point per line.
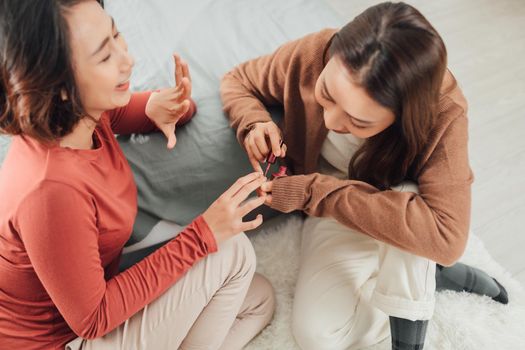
237	252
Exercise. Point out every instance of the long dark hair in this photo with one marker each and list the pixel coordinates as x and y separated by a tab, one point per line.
38	93
400	60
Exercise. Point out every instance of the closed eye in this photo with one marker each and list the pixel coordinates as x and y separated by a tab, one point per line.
109	56
327	96
355	125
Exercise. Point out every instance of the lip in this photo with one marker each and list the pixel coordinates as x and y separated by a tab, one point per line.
123	87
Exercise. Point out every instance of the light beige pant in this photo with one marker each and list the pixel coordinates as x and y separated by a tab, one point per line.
349	284
218	304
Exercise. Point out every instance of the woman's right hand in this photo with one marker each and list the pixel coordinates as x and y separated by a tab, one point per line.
224	216
263	138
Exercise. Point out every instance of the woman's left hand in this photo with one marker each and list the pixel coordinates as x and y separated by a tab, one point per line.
166	106
266	189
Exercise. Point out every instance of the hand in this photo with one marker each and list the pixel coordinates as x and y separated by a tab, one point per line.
224	216
262	138
166	106
266	191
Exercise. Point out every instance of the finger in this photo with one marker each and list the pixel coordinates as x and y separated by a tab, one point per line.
259	192
186	71
262	145
268	201
251	205
254	162
255	150
241	182
284	148
186	87
181	91
169	131
172	141
250	225
178	69
267	186
275	140
246	190
179	109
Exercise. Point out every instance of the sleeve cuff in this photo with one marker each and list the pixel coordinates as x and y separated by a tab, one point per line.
205	233
289	193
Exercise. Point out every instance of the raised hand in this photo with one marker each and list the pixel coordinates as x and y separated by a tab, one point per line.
167	106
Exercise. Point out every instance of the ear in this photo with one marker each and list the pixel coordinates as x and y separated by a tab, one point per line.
63	95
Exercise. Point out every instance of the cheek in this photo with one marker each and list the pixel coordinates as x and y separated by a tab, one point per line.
97	89
97	81
317	96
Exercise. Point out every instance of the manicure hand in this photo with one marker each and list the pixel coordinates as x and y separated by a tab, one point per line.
263	138
224	216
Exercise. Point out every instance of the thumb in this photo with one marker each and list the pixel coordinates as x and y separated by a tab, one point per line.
169	131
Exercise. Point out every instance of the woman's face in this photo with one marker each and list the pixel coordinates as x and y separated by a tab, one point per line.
101	60
347	106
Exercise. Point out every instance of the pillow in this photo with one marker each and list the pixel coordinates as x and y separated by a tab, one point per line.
212	36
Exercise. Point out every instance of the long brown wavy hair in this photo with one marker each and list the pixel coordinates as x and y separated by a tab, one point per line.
400	60
38	93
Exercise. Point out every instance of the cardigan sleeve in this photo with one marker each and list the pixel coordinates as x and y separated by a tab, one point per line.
132	118
433	224
251	87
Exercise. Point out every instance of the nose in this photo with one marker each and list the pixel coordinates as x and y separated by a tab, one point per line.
126	60
330	119
130	61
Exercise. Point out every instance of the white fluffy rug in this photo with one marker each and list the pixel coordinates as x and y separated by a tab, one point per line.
461	321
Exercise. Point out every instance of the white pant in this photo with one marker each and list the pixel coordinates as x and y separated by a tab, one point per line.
215	305
349	284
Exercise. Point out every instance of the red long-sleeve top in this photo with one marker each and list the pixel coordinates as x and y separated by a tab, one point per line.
65	216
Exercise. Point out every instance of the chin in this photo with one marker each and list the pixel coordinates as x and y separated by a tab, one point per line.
123	100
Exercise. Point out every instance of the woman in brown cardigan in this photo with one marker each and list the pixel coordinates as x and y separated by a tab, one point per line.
375	135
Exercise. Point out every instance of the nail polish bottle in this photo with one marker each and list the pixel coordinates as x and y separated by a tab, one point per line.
280	173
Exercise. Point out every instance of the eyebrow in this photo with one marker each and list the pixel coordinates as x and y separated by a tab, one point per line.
327	94
105	41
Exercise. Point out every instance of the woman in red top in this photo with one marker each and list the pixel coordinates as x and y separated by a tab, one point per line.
69	201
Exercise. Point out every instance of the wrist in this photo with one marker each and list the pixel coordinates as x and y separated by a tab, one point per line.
207	233
148	110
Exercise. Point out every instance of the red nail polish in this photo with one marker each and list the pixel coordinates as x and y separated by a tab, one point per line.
280	173
271	158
